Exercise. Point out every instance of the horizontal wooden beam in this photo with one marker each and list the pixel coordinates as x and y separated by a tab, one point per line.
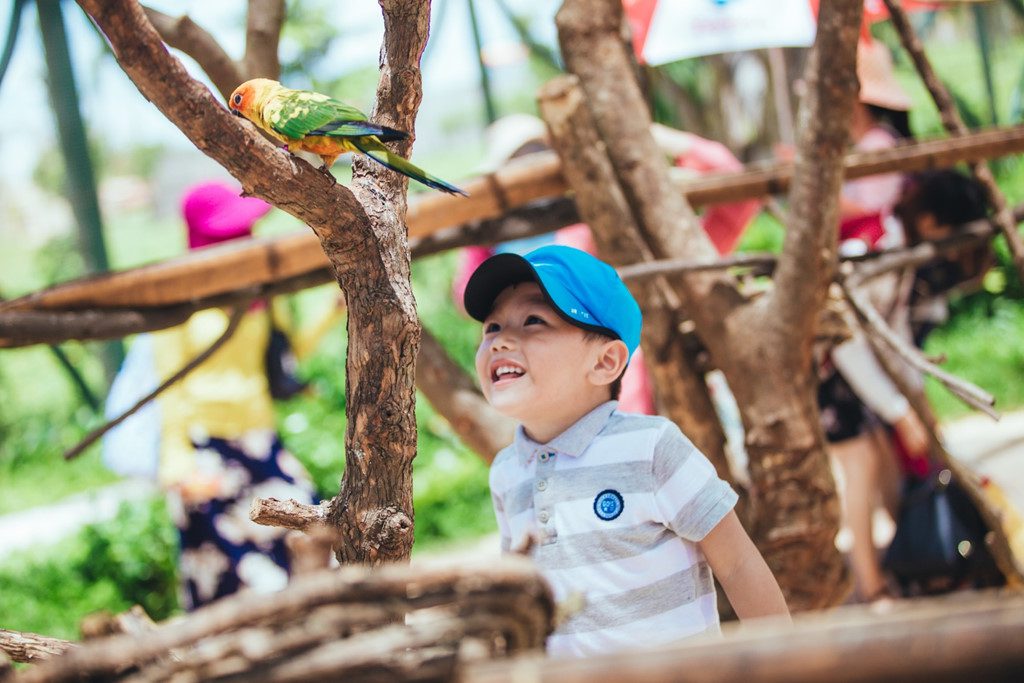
957	638
438	221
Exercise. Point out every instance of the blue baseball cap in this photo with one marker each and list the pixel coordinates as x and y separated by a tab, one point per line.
584	290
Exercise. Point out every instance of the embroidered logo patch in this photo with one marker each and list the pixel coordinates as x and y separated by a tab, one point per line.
608	504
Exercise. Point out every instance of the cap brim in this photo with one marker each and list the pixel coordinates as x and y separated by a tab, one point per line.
491	279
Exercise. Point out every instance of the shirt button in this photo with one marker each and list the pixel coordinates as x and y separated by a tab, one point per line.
543	457
542	485
543	516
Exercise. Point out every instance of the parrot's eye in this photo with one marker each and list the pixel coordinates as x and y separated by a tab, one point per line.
237	99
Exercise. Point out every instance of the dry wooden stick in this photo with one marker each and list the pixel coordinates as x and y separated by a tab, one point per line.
351	587
953	123
874	322
29	648
650	269
94	435
289	514
231	267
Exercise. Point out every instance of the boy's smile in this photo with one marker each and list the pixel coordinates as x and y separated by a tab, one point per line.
536	367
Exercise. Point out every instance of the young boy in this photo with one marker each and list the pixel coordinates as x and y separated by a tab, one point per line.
621	508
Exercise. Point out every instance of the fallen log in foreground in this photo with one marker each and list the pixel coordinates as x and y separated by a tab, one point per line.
397	623
964	637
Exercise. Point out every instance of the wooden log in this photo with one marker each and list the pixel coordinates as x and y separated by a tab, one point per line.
229	267
30	647
957	638
411	588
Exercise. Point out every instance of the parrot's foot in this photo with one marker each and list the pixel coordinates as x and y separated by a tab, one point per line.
325	169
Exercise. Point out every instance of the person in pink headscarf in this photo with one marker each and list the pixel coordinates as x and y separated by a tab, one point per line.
518	135
217	445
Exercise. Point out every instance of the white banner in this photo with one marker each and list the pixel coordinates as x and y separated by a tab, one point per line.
690	28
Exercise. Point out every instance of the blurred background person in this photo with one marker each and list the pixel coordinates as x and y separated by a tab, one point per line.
211	440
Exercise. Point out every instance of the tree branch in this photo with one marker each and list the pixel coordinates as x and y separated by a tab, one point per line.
184	34
262	35
875	323
289	514
264	171
809	251
31	648
373	511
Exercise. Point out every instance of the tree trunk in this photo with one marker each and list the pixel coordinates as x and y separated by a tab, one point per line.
367	249
763	346
373	510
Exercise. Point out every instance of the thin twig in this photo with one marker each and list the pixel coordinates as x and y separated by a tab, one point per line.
94	435
875	323
289	514
650	269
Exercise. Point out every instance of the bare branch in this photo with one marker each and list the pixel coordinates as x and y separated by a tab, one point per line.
184	34
31	648
264	171
289	514
373	511
809	250
875	323
94	435
262	35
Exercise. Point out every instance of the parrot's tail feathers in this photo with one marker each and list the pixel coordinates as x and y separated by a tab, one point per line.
344	129
399	164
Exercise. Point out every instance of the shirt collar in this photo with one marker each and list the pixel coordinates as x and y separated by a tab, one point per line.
573	441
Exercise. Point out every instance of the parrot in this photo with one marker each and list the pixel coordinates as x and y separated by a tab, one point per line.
311	122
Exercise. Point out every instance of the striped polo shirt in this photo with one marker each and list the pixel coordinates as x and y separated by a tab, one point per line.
615	506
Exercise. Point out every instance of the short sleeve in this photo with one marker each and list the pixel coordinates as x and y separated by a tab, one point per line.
499	512
689	496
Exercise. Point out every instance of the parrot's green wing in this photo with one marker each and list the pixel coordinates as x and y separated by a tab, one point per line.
299	113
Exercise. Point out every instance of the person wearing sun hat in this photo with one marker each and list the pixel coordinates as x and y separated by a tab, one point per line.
217	444
618	507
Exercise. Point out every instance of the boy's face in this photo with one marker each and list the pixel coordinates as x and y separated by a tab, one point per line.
534	366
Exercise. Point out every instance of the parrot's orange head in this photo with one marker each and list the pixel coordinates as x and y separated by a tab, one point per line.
241	100
247	98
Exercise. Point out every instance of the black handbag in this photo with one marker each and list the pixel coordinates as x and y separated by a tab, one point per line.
940	536
281	366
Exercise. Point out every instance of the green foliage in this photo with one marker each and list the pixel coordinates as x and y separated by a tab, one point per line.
111	566
982	345
764	234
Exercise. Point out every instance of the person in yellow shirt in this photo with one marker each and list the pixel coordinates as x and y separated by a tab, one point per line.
218	446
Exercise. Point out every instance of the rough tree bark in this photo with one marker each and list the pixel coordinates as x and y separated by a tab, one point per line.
368	254
374	508
763	346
